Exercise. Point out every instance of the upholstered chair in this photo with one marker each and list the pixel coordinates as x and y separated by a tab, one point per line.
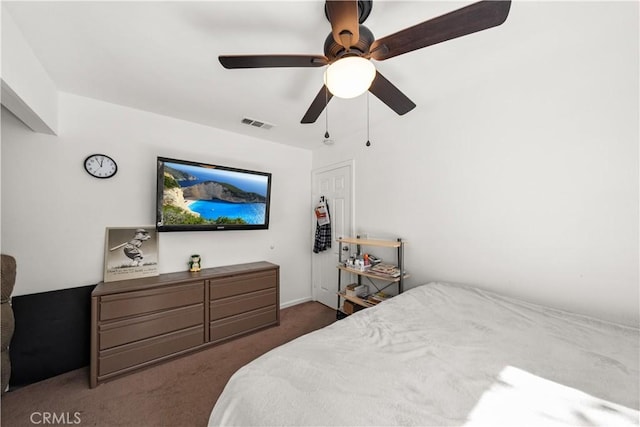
7	281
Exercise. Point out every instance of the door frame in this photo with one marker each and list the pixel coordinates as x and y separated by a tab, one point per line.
314	200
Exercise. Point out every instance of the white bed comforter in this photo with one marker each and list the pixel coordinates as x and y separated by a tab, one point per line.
427	357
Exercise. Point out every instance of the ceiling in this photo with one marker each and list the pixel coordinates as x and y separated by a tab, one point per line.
162	57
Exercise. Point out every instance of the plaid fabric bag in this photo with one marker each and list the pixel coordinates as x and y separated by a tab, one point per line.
322	241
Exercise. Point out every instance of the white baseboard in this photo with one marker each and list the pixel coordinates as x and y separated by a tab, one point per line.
295	302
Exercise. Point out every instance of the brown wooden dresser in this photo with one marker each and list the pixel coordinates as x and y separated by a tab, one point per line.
140	322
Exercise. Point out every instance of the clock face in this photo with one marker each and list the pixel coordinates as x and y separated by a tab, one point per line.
100	166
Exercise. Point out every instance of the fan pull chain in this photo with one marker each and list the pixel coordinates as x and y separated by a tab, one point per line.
368	144
327	139
326	113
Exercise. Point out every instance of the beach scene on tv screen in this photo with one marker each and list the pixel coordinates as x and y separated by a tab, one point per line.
199	195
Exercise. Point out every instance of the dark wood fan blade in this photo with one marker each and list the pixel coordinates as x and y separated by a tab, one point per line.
343	16
386	92
470	19
269	61
317	106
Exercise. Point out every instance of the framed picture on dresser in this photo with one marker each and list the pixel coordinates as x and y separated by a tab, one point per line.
130	253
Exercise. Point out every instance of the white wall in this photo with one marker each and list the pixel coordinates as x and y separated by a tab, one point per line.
524	178
54	214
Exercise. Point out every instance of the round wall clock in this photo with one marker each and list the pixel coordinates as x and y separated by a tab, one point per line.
100	166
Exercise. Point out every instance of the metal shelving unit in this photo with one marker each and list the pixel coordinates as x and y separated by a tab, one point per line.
389	280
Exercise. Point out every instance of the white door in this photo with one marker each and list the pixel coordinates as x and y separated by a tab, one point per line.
335	184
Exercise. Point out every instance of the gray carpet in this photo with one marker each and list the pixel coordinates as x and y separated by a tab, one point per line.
180	392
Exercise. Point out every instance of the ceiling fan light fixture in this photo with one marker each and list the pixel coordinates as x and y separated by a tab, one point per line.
349	77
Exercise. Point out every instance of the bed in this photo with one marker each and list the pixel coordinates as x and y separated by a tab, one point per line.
443	354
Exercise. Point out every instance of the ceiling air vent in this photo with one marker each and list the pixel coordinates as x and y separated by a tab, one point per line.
257	123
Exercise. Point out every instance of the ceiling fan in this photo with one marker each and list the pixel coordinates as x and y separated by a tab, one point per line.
350	43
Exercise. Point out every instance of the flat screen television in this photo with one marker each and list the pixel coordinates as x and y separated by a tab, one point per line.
195	196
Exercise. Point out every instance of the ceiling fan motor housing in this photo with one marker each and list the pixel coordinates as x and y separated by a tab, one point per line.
334	51
364	9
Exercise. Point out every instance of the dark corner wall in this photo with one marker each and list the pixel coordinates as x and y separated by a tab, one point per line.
52	334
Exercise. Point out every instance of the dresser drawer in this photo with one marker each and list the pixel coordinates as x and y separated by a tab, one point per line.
121	332
230	306
141	302
242	323
242	283
135	354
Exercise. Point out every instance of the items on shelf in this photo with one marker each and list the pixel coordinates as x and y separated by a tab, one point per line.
351	307
355	290
378	297
362	262
386	270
